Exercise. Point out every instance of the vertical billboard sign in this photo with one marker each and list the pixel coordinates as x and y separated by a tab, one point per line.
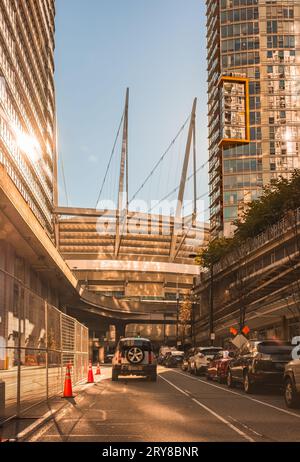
235	126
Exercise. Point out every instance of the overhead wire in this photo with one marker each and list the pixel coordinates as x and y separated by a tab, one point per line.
177	187
160	160
110	160
64	179
62	166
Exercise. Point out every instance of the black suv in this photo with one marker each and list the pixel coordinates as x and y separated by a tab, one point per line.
134	356
259	363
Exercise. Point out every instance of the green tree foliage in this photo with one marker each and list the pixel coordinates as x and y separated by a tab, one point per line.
214	252
281	196
276	200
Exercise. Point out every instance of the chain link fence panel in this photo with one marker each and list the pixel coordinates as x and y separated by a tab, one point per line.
37	341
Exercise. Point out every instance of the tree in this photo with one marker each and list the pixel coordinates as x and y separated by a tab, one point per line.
279	197
276	200
185	315
214	252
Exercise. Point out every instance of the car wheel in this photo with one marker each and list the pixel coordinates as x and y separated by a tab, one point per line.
248	385
230	381
292	398
114	376
153	377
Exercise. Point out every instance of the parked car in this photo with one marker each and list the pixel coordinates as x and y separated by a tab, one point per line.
185	359
108	358
259	363
163	351
198	362
218	367
292	384
134	356
173	358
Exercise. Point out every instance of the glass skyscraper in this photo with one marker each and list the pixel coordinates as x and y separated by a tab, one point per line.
254	101
27	102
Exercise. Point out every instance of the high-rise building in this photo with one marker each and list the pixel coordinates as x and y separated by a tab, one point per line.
254	101
27	102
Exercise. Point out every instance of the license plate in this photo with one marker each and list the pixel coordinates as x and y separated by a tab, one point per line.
135	368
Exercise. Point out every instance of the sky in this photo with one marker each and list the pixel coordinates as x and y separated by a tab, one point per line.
157	49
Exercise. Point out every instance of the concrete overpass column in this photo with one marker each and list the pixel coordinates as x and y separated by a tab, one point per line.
285	328
120	330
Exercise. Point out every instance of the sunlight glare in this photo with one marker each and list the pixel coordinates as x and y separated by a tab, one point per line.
29	145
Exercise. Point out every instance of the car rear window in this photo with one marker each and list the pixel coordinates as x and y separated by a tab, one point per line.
145	345
274	348
210	351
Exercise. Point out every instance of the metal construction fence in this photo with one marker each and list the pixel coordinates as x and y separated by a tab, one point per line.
37	341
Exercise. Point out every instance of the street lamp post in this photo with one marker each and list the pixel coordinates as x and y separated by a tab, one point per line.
193	322
177	318
211	306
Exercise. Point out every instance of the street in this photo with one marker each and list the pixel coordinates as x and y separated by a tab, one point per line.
179	407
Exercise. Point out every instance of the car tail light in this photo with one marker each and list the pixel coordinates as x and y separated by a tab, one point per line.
150	357
119	358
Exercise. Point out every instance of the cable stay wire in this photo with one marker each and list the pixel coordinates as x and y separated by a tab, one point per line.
110	160
62	166
177	187
60	159
64	179
160	160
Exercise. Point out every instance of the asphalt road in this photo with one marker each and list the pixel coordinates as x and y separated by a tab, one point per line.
179	407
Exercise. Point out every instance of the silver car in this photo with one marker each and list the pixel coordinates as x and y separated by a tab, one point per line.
202	358
292	384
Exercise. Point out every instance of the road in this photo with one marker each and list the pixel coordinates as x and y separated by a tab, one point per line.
179	407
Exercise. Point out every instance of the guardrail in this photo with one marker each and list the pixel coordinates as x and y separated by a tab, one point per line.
273	232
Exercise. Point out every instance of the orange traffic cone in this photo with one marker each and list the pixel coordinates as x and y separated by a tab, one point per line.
68	383
90	374
98	371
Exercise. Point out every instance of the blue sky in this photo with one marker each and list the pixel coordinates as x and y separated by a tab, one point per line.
155	47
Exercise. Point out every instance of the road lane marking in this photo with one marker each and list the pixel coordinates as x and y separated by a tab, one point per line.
280	409
210	411
246	427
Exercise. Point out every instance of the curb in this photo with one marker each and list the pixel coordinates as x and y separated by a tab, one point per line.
49	415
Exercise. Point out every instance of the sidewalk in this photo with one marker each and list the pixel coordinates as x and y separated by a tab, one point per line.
38	415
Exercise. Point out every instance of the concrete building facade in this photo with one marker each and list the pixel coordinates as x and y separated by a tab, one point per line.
27	102
254	111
